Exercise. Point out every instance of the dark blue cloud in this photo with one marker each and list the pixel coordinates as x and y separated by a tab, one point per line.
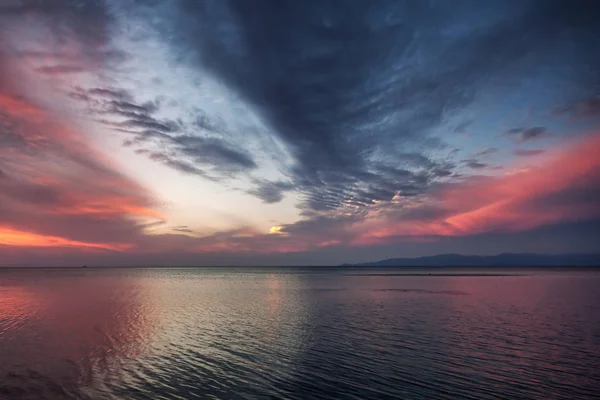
529	153
474	164
351	85
271	192
168	141
521	135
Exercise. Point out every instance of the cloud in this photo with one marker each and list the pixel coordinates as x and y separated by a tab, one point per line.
183	229
16	238
112	94
487	152
562	189
474	164
166	141
529	153
60	69
214	152
339	122
181	166
271	192
55	191
587	108
521	135
72	30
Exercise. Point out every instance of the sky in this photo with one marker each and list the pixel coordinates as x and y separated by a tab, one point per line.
269	132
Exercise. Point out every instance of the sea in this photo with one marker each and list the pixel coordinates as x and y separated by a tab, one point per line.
299	333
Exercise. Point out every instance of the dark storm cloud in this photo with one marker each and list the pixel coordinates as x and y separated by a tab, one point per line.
520	135
350	85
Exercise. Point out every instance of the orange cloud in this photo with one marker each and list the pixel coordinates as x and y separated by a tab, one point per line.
109	205
12	237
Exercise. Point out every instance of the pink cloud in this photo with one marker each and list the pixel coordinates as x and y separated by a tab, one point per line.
56	190
559	189
60	69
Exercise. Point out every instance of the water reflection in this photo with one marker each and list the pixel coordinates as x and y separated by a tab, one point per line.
273	296
536	330
69	331
113	334
18	306
236	332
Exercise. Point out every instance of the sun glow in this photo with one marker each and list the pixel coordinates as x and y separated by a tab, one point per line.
276	230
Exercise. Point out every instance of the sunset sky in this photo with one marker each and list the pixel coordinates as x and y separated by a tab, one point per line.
216	132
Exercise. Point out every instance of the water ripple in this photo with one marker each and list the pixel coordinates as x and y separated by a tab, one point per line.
214	334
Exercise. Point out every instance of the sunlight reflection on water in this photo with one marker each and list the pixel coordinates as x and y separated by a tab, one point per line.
277	333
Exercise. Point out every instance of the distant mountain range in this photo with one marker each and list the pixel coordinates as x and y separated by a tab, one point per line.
500	260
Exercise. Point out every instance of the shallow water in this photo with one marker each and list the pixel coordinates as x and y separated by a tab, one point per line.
299	334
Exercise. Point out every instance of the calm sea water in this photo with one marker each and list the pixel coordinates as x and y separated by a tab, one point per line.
298	334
